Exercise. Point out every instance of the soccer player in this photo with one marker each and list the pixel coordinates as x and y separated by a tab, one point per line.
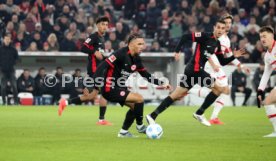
194	73
94	47
267	39
220	76
110	78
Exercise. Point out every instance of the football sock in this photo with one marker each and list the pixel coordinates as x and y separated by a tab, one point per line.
218	106
102	112
129	119
75	100
271	114
207	102
162	107
138	112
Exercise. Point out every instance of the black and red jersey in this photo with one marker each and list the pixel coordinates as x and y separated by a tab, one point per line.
93	43
119	66
206	45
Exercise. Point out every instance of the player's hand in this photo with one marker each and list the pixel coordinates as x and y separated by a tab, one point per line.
167	86
260	98
216	68
176	56
239	53
98	55
85	92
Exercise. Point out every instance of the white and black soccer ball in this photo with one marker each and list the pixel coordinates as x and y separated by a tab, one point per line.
154	131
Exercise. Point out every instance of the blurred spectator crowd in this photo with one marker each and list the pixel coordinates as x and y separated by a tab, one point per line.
63	25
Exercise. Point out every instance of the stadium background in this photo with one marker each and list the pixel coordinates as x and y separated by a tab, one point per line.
50	33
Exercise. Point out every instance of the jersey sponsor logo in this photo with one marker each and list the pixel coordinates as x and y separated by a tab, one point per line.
133	67
197	34
112	58
122	93
87	40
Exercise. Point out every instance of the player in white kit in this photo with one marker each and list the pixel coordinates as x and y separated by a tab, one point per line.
220	75
267	39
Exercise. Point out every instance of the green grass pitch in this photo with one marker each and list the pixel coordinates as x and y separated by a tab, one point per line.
38	134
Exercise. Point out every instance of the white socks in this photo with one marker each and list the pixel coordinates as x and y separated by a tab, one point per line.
200	92
122	131
270	111
218	106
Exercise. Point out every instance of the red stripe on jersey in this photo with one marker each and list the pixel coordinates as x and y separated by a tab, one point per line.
271	116
91	47
274	62
220	103
141	70
109	63
197	58
193	36
108	81
94	63
219	52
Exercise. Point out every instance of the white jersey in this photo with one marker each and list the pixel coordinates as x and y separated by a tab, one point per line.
270	65
226	50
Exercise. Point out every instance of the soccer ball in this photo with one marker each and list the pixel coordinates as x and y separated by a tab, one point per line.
154	131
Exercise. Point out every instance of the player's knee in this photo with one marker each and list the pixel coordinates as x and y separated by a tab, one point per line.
226	90
139	99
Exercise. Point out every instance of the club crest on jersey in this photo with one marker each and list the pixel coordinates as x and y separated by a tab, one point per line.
197	34
112	58
133	67
122	93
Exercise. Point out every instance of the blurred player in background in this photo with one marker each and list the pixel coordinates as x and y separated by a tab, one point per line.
220	76
267	39
94	47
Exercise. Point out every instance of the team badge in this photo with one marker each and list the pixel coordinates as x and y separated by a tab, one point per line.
122	93
133	67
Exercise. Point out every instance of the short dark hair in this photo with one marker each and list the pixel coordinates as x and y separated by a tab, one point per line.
41	68
268	29
220	21
133	37
226	16
102	19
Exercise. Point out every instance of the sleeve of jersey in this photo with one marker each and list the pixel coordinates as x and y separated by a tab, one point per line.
228	52
112	59
144	73
267	72
150	78
88	46
222	60
194	37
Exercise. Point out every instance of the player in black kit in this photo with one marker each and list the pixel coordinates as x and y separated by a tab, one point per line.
94	47
110	78
206	45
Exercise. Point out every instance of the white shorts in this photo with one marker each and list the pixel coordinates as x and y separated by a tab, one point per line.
221	78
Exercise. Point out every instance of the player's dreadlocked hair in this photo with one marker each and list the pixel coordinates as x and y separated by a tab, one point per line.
133	36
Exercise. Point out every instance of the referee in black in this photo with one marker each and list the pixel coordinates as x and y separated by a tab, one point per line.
8	58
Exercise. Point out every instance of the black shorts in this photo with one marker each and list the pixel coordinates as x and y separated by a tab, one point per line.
192	78
116	94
